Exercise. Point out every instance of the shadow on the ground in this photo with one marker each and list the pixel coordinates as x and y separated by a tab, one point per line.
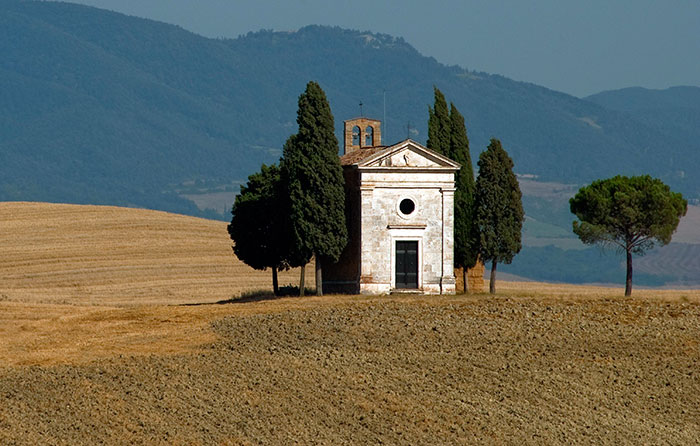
257	296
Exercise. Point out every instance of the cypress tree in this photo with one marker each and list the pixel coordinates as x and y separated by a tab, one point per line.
466	232
499	209
314	181
439	126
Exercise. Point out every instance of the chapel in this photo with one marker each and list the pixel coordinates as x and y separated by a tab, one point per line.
399	203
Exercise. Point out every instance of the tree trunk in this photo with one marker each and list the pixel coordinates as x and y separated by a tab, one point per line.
301	280
319	277
492	282
465	279
275	283
628	282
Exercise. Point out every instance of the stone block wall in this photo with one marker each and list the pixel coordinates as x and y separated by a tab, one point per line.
383	224
475	279
343	276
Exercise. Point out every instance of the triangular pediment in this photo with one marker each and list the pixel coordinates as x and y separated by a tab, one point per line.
408	154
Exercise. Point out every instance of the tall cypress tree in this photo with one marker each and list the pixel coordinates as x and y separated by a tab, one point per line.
447	135
314	180
466	231
439	126
499	208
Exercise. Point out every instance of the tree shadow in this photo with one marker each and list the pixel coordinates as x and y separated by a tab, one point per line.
257	296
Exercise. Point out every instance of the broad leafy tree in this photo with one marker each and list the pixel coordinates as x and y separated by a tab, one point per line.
499	209
257	225
466	231
633	214
314	184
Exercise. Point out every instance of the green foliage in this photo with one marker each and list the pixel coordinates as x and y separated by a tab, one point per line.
447	135
439	125
466	247
498	202
257	225
314	182
632	213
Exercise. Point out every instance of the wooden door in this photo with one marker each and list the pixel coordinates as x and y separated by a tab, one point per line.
407	264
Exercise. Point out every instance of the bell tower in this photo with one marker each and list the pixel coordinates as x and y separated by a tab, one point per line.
361	133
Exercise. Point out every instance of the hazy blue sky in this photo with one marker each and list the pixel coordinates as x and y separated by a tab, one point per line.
579	47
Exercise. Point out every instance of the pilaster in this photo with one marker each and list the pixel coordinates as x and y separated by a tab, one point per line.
447	281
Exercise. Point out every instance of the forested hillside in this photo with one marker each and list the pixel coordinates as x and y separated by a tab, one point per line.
638	99
674	112
98	107
101	108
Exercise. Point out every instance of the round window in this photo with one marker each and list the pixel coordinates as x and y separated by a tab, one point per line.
407	206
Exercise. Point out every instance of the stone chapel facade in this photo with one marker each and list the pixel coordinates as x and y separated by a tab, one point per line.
399	211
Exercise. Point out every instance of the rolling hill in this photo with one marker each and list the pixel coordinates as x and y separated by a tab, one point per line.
674	111
638	99
104	255
102	108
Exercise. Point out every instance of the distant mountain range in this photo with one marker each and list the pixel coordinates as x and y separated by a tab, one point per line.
674	112
102	108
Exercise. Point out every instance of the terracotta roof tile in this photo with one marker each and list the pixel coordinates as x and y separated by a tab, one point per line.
359	154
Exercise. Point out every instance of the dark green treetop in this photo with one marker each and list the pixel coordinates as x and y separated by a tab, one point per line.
447	134
257	225
314	181
439	125
633	214
499	209
465	228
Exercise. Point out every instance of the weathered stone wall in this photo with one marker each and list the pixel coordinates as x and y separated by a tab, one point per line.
475	279
362	123
343	276
430	224
377	182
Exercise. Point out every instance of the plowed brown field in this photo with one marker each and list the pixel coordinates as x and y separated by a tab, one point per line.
93	351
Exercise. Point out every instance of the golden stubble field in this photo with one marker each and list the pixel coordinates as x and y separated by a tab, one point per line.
74	280
100	343
102	255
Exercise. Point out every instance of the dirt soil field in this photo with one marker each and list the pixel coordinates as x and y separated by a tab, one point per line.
100	343
393	370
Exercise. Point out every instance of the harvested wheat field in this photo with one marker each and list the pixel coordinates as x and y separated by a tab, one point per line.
535	364
59	253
